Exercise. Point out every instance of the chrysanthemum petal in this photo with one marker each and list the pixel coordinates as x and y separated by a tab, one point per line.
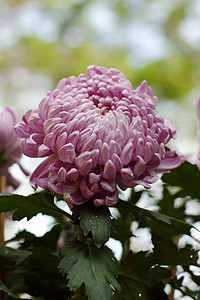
67	153
109	170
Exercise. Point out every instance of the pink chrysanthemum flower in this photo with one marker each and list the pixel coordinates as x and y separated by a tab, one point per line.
97	134
10	151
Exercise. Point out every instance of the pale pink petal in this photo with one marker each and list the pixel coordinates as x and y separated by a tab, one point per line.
139	167
72	174
67	153
108	185
94	178
109	170
43	151
168	164
105	153
126	154
117	162
42	169
85	191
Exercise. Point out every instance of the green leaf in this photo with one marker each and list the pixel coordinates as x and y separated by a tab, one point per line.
133	209
4	288
167	253
187	177
131	290
140	279
31	205
38	275
10	260
168	207
175	226
12	256
93	266
122	231
158	217
28	239
21	235
169	225
94	220
135	196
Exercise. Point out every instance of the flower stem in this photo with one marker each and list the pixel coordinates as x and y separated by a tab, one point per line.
80	234
2	219
171	295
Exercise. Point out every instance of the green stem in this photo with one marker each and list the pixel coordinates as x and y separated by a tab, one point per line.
80	234
127	244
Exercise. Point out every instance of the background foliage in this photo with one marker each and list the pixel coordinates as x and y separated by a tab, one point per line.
145	39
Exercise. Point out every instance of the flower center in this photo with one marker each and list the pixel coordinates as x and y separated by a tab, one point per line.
105	104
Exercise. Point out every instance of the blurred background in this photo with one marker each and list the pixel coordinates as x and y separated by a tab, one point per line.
43	41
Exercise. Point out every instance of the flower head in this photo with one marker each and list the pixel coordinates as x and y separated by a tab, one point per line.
97	133
10	151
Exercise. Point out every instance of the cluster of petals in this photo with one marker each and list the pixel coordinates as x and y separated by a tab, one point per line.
98	134
10	151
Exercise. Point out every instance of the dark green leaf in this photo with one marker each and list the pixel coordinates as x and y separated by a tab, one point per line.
167	204
133	209
131	290
40	275
177	213
140	279
94	220
4	288
27	239
176	226
21	235
187	177
29	206
158	217
122	230
95	267
33	272
135	196
167	253
12	256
